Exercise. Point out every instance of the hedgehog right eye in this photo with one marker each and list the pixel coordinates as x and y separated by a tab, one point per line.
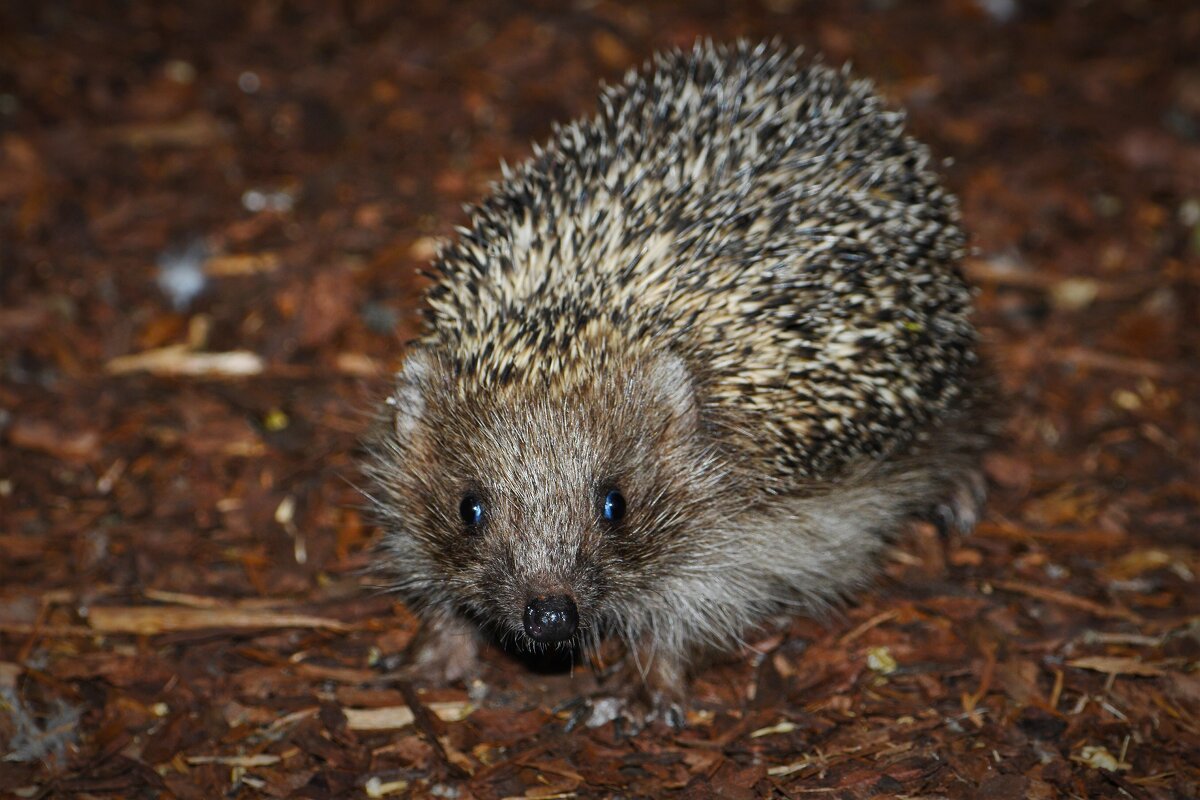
613	507
470	510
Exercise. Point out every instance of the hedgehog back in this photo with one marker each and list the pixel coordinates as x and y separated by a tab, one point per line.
764	217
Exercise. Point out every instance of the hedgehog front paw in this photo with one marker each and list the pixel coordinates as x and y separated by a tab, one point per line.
630	713
640	698
963	507
444	651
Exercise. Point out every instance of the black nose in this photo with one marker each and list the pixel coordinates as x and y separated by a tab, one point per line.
551	618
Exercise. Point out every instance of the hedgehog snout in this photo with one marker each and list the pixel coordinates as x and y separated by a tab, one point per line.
551	618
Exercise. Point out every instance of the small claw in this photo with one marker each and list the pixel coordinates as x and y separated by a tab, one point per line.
580	708
673	715
623	728
943	520
978	488
961	510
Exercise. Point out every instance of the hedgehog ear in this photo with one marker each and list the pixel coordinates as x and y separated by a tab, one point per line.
408	400
672	382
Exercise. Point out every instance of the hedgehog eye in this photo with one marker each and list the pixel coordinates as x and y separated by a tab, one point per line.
614	506
470	510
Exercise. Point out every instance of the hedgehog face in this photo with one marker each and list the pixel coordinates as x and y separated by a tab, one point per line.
545	514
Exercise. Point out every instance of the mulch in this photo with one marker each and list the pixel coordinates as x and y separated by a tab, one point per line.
212	218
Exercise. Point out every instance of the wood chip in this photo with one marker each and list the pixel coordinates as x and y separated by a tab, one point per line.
392	717
1115	665
148	620
179	361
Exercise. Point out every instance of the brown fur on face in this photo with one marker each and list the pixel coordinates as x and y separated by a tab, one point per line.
541	462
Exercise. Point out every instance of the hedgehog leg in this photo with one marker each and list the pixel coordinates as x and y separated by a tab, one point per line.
663	690
445	650
962	508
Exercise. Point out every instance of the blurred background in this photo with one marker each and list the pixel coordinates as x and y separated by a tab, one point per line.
212	220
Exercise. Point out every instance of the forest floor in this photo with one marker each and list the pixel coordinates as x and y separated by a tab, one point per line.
211	223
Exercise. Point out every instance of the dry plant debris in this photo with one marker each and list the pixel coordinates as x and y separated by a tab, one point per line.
211	221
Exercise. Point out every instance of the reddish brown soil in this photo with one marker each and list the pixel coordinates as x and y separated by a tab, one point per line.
183	611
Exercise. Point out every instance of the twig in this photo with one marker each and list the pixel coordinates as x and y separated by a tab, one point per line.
1071	601
1086	357
426	725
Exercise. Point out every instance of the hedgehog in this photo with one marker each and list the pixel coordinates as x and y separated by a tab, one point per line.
687	369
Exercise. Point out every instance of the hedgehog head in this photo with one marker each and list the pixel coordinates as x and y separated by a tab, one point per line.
545	514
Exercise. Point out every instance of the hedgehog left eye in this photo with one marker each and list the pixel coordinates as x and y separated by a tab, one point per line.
614	506
470	510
